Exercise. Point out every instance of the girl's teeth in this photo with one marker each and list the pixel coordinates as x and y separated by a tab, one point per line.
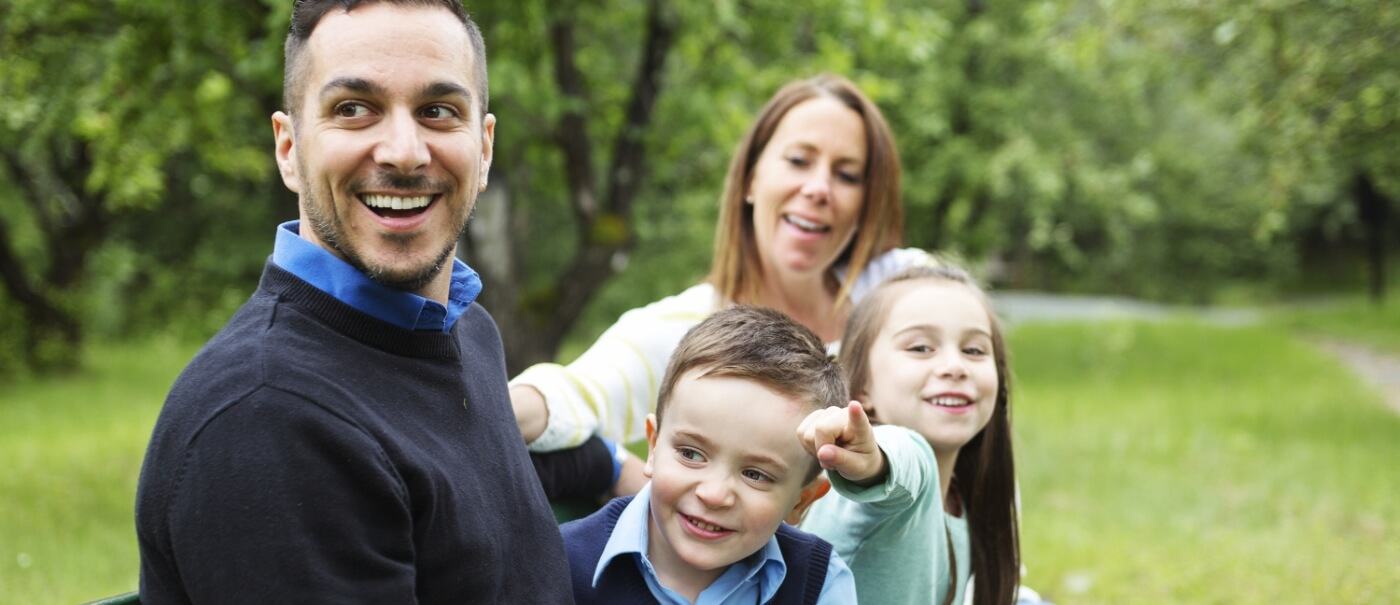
950	401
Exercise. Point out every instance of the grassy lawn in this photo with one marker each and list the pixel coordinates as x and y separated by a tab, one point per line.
1180	463
72	448
1159	463
1354	319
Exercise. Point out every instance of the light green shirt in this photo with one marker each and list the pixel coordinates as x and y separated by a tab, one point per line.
894	535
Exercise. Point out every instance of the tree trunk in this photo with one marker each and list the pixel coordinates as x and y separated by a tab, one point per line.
1374	210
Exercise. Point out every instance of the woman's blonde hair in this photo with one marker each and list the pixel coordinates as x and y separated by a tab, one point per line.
736	271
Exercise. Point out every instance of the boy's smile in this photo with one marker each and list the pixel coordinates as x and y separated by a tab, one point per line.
725	470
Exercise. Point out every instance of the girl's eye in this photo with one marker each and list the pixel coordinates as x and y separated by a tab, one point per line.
756	475
975	351
438	112
919	348
351	110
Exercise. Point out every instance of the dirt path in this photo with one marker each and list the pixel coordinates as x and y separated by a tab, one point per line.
1378	368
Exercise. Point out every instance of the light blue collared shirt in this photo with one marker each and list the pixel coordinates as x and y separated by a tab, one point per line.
329	274
754	579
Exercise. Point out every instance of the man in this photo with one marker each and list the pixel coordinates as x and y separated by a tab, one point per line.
348	437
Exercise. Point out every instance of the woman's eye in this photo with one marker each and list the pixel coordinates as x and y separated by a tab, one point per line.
438	112
849	178
797	161
755	475
351	110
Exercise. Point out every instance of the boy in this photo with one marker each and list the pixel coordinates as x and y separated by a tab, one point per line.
726	469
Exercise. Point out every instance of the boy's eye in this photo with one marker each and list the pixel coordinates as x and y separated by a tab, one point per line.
756	475
690	454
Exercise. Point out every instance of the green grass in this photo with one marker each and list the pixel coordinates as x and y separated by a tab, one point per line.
1352	318
1181	463
72	448
1159	463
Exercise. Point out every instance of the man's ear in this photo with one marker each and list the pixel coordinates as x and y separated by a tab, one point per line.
488	147
286	151
651	445
810	494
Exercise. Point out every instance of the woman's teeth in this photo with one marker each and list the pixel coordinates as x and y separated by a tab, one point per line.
805	224
394	202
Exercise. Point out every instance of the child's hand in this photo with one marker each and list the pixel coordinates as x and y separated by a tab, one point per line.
842	440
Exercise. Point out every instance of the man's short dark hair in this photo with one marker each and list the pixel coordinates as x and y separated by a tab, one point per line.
306	14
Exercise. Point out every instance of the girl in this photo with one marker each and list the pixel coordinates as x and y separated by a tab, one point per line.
927	498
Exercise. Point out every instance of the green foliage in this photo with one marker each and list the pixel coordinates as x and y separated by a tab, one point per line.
1161	150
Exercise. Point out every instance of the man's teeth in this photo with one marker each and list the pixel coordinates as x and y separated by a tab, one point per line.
805	224
950	402
394	202
703	525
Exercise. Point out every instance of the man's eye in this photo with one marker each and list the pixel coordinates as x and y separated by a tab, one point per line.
351	110
438	112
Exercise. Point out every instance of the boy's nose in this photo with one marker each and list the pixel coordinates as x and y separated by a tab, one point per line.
715	492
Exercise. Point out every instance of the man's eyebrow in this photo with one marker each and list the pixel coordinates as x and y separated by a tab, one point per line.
359	85
438	90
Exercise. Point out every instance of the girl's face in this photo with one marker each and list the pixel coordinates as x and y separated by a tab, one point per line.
807	187
932	367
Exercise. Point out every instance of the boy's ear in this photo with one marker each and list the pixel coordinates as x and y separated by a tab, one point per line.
651	444
810	494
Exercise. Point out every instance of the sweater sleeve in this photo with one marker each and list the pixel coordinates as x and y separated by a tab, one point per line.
912	469
279	500
612	387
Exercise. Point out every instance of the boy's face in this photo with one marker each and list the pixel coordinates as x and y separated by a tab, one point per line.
726	468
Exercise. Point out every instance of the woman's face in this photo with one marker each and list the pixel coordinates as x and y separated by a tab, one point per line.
808	187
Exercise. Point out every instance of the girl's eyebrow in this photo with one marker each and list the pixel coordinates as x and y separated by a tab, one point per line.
930	328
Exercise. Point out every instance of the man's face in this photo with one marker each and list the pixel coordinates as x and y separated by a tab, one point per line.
386	150
726	468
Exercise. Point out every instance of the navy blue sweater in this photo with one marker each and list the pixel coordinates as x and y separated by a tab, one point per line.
805	555
312	453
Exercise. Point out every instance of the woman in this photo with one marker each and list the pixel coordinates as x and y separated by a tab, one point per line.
809	222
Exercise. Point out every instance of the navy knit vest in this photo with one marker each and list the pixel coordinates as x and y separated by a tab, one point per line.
806	556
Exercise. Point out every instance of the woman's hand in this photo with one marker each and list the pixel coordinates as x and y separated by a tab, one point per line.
843	440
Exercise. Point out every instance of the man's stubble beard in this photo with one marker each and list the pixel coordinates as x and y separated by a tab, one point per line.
327	226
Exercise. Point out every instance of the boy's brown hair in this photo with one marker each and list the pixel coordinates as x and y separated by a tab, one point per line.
761	345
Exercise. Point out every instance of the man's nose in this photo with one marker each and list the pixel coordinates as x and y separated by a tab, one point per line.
402	149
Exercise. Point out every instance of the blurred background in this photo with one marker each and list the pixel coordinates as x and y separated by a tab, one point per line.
1201	196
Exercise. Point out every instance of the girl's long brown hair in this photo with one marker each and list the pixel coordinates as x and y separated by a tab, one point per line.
735	270
984	475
